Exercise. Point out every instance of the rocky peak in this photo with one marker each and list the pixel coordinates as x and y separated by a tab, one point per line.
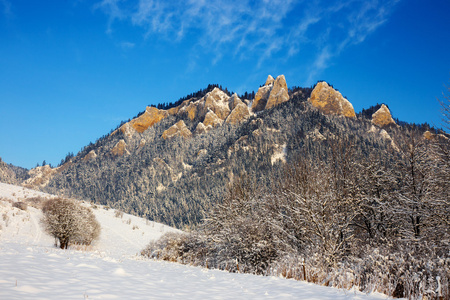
234	101
239	113
269	80
382	117
279	92
217	101
120	148
90	155
151	116
271	94
178	129
201	128
330	102
39	176
212	119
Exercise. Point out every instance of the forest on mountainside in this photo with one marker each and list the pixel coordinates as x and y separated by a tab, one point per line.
176	181
337	216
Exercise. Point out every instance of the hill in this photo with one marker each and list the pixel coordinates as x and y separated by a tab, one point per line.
31	267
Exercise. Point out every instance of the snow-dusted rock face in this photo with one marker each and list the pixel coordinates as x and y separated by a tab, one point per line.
217	102
211	119
120	149
271	94
269	80
330	102
212	109
178	129
279	92
239	113
6	174
151	116
382	117
234	101
40	176
201	128
91	155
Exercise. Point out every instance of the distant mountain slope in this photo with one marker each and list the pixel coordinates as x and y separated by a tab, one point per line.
172	163
175	180
12	174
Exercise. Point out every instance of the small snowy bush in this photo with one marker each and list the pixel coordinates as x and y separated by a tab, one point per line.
20	205
69	222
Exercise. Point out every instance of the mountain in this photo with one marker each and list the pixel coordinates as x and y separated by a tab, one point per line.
12	174
173	163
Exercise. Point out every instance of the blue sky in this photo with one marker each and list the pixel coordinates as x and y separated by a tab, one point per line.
71	70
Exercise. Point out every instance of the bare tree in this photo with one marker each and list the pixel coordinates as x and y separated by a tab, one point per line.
68	221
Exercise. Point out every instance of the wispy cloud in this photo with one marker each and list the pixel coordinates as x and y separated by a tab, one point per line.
6	8
127	45
357	20
114	12
247	28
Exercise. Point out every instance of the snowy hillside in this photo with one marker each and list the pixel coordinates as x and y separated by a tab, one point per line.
32	268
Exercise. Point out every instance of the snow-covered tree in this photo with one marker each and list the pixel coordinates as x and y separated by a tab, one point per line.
68	221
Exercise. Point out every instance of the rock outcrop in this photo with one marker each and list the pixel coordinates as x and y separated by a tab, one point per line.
120	149
90	155
216	101
279	92
178	129
382	117
269	80
330	102
271	94
40	176
211	119
239	113
151	116
234	101
201	128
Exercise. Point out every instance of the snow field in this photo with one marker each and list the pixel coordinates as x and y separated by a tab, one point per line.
32	268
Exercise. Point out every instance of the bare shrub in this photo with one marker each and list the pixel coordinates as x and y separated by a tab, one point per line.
36	202
118	214
20	205
68	221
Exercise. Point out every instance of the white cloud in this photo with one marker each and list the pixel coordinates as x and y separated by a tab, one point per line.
263	29
127	45
357	20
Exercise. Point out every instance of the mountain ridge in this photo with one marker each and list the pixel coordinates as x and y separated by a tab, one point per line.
172	164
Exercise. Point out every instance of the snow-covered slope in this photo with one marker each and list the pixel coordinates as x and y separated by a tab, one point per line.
32	268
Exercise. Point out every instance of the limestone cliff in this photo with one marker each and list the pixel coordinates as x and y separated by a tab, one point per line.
120	149
382	117
239	113
90	155
279	92
212	119
216	101
151	116
40	176
271	94
201	128
178	129
330	102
